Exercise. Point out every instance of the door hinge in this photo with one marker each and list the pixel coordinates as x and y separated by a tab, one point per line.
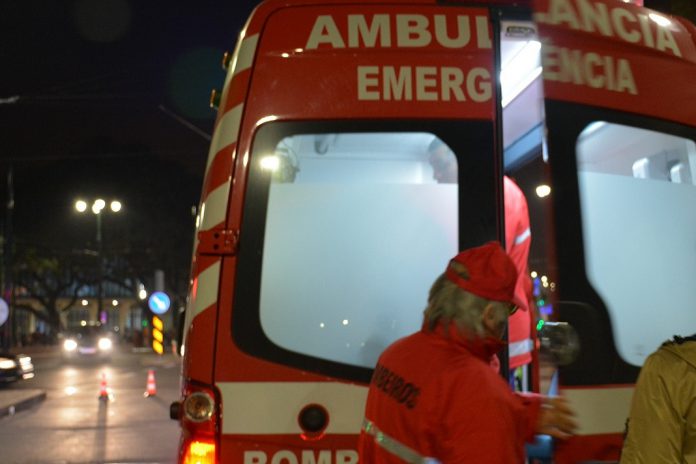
218	241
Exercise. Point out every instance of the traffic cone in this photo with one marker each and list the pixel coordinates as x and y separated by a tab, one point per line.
151	386
103	392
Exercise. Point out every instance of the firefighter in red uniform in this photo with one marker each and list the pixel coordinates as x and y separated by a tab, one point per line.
518	239
434	397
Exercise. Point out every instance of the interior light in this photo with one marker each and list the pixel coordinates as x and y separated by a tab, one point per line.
83	323
520	71
543	190
85	302
116	206
270	163
345	322
591	129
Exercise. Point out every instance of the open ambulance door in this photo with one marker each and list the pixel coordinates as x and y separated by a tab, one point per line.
621	144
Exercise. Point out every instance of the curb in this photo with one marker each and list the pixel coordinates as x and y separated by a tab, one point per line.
22	404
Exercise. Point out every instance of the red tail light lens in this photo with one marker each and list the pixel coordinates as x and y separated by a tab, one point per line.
199	424
200	452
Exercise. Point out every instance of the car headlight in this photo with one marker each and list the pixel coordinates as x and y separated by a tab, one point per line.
6	363
69	345
104	344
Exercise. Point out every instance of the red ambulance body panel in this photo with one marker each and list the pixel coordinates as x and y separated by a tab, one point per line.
317	69
637	63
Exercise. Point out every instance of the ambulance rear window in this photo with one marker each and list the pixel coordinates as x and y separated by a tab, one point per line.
637	196
357	226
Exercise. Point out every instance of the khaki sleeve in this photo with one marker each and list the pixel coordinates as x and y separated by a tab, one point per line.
655	425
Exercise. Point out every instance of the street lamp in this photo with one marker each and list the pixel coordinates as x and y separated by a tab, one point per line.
97	207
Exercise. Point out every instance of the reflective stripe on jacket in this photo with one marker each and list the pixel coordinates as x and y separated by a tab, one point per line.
518	240
435	394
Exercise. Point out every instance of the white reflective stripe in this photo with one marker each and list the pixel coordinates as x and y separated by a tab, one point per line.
206	285
272	408
523	236
206	289
600	410
519	348
246	53
214	208
394	446
225	133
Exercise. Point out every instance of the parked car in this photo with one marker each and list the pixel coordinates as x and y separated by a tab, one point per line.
88	341
15	367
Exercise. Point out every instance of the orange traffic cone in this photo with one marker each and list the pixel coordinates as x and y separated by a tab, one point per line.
151	386
103	392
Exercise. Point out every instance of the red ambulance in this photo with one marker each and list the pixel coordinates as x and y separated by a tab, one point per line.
324	219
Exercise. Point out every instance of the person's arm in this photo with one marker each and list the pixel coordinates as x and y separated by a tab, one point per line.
556	418
654	426
481	421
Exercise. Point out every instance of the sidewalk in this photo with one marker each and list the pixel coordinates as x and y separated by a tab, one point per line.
13	400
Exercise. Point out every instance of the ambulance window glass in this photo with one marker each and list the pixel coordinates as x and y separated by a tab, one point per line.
638	198
357	228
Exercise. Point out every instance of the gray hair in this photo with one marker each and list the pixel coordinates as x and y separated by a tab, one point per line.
447	303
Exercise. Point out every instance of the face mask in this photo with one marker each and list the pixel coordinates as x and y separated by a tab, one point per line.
492	345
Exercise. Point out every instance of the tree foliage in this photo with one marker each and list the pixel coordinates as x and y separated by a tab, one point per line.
48	282
56	249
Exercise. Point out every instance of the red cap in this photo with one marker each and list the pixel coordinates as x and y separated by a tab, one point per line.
492	274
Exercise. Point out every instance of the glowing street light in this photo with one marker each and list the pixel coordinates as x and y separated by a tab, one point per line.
98	206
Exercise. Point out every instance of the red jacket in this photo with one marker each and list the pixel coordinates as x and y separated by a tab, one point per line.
435	393
518	240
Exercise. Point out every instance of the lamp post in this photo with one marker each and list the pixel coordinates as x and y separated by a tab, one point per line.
99	206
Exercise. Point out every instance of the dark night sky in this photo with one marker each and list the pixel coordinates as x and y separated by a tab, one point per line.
93	72
92	93
102	86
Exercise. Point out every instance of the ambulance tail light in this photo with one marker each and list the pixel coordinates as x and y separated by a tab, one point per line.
200	452
198	415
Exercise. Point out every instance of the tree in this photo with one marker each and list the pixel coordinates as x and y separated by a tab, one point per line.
47	282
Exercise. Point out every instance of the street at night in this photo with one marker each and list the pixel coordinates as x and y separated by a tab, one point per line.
348	232
74	425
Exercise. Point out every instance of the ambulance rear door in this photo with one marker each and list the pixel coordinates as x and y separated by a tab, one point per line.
621	126
343	217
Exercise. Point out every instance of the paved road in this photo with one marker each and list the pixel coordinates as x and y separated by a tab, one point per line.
59	418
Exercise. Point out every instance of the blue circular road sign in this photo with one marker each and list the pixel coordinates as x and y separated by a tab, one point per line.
159	302
4	311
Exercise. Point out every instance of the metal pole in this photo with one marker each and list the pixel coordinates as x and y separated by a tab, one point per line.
8	244
100	276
